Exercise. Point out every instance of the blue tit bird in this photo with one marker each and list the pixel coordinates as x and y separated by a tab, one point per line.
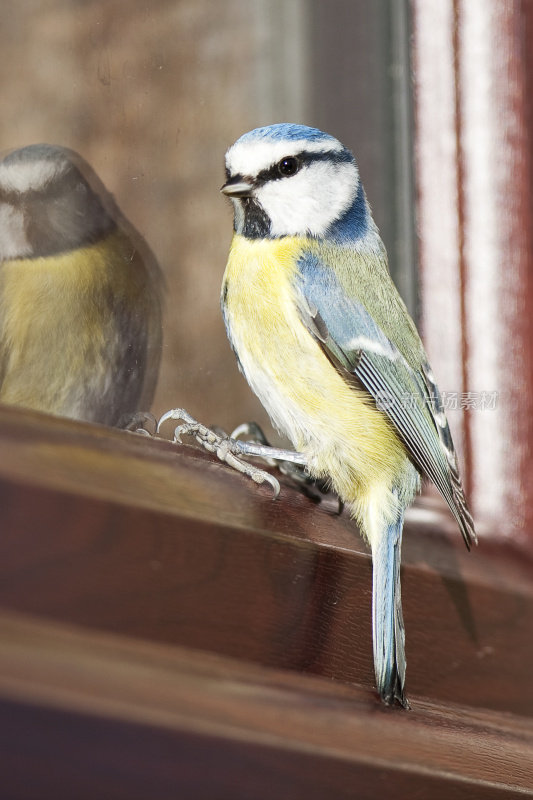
80	293
326	343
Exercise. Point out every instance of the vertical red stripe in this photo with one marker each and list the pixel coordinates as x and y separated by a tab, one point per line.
485	145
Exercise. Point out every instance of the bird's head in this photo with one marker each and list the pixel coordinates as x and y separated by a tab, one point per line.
291	180
47	203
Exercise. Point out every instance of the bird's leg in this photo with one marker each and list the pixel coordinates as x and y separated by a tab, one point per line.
228	449
260	447
296	471
256	432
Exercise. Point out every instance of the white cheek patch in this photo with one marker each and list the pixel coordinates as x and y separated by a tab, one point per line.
250	158
310	201
32	175
13	240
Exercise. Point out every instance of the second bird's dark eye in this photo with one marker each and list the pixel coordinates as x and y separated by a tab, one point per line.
288	166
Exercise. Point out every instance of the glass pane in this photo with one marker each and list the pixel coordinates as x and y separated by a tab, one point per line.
151	94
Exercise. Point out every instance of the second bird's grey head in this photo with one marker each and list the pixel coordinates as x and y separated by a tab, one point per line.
291	180
47	204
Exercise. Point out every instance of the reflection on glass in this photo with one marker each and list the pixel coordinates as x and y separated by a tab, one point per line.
151	94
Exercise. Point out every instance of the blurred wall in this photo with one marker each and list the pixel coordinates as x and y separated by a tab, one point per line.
152	93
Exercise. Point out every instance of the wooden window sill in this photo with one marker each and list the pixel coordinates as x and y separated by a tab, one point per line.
150	594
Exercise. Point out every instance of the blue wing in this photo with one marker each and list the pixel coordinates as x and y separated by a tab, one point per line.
356	343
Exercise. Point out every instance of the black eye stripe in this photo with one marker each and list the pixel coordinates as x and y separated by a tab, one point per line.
304	158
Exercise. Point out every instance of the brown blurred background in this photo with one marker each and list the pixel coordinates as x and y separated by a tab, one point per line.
152	92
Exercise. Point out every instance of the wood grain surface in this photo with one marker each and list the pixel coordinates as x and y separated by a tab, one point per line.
165	623
90	715
139	537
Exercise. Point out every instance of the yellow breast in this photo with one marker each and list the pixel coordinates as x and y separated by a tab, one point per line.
330	419
64	327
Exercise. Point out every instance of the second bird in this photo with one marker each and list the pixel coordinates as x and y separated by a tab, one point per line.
80	310
326	343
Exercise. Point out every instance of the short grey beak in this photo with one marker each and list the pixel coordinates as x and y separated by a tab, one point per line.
237	187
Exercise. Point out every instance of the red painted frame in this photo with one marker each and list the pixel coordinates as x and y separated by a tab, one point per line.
475	205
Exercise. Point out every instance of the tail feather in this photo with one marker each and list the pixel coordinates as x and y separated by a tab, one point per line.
460	509
387	618
457	500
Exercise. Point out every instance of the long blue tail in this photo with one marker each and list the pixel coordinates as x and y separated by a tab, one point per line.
387	618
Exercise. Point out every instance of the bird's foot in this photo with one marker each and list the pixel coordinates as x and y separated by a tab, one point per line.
139	422
226	448
313	488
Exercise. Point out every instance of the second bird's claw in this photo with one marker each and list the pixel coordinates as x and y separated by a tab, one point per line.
225	448
136	422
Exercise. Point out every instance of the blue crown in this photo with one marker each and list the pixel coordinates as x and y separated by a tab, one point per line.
284	131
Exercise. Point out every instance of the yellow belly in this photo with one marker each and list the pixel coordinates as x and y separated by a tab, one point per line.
335	423
65	328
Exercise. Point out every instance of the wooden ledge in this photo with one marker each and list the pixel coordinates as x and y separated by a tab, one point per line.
97	715
130	535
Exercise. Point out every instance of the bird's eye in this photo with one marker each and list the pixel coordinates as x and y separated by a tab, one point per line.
288	166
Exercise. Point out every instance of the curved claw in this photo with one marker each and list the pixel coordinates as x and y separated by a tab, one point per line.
177	433
226	453
250	429
227	449
134	422
175	413
266	477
